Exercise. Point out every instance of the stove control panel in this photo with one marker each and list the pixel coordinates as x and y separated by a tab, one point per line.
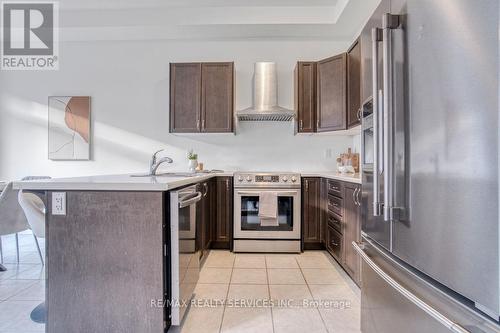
250	179
267	179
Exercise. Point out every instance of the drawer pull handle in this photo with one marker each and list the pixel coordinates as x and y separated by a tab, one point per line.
334	244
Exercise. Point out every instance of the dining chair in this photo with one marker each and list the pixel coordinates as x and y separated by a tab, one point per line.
34	210
12	218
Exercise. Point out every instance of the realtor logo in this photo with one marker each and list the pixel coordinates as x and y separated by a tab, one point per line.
29	36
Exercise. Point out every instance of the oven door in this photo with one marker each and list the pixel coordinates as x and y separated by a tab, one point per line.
246	215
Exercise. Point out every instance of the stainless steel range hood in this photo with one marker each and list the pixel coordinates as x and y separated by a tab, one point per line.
265	99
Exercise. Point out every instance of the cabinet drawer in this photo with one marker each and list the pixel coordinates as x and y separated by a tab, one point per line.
334	245
335	221
335	188
335	205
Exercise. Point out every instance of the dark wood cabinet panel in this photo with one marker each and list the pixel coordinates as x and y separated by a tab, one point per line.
217	97
201	97
343	224
335	188
323	209
354	85
224	213
331	94
351	230
334	243
335	205
185	97
305	96
93	244
311	213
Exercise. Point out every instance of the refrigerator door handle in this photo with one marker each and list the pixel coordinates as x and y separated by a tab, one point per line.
408	294
391	209
377	167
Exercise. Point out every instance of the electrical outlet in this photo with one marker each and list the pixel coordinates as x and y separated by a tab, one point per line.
328	153
58	203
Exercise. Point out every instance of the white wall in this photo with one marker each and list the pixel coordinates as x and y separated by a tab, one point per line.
129	85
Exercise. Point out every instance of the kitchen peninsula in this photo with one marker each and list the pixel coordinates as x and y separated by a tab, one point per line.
118	228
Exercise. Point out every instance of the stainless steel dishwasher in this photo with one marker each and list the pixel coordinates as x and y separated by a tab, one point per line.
185	264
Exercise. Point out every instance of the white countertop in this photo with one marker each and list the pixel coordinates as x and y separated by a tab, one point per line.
128	183
351	178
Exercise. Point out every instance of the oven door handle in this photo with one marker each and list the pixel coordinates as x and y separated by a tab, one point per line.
190	199
258	192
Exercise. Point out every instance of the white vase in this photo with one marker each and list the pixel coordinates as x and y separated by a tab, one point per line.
192	164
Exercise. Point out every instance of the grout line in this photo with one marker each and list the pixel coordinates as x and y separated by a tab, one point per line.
20	291
269	293
227	296
312	296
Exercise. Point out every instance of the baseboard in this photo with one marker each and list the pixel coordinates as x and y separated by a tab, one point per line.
220	245
314	246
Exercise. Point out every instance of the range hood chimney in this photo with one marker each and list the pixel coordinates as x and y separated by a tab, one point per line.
265	97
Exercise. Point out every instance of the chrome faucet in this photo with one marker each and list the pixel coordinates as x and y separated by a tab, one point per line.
154	163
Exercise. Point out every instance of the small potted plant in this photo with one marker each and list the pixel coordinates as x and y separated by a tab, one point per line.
192	160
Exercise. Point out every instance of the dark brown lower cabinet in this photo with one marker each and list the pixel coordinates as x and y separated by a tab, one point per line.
311	213
341	223
223	223
352	230
334	242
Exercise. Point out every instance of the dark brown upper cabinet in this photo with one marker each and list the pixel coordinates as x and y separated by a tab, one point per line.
201	97
217	97
305	96
185	97
354	85
331	94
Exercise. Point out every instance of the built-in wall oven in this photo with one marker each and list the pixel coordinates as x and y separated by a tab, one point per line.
185	265
250	233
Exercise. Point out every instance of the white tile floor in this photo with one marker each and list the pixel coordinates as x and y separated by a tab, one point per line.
302	281
312	276
22	286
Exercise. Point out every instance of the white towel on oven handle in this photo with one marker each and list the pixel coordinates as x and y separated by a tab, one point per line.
267	222
268	204
268	208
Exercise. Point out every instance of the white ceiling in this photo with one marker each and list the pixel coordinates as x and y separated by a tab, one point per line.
337	20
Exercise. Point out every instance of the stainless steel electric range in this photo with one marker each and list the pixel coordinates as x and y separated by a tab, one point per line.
250	233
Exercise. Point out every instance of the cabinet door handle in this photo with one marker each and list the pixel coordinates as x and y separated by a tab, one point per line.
334	244
227	184
357	197
359	114
198	123
307	185
301	124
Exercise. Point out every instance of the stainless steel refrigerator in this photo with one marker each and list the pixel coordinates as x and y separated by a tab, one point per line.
430	151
